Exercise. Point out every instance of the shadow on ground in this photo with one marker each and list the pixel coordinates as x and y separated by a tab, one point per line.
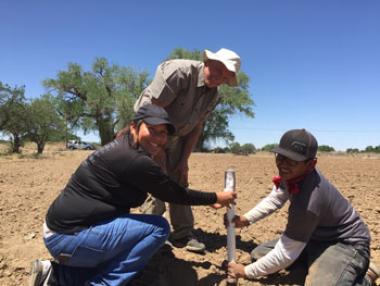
216	241
165	269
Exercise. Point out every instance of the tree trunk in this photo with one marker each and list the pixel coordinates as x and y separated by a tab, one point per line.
40	147
16	144
66	132
106	131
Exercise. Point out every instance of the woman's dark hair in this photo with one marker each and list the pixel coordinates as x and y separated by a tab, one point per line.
126	129
122	132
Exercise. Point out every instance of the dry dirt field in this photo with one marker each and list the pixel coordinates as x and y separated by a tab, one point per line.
28	185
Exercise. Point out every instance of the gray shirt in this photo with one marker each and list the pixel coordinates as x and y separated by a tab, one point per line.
179	87
319	212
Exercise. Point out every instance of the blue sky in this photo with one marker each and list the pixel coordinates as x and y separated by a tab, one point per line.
312	64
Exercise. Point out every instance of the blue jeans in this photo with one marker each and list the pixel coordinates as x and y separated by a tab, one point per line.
108	253
328	264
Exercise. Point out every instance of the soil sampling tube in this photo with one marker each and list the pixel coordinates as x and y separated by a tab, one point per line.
229	186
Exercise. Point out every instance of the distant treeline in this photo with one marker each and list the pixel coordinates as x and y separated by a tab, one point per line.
248	148
240	149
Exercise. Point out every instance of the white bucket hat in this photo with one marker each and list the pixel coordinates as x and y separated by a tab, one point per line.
230	59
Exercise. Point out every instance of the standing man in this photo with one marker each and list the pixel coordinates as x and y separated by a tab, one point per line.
188	90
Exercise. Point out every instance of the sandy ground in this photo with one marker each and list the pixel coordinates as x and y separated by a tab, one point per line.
28	186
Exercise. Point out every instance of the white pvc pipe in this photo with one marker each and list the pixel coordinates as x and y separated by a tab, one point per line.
229	186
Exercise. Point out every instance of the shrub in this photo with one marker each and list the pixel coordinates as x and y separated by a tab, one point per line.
325	148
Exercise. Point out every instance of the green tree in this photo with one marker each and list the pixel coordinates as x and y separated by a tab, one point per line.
13	115
245	149
44	123
325	148
233	100
215	127
5	97
248	148
235	148
101	99
352	150
268	147
371	149
180	53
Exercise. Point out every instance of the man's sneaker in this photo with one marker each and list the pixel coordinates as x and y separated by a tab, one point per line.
195	246
190	243
373	273
40	272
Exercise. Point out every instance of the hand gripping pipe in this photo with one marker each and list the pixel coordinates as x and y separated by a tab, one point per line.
229	185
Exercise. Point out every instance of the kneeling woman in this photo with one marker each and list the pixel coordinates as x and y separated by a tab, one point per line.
89	229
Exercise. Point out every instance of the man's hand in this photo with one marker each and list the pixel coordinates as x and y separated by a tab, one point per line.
239	220
236	270
183	170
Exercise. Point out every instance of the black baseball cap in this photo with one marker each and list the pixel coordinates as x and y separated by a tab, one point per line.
298	145
154	115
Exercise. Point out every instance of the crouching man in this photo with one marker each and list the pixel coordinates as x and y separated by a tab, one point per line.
323	233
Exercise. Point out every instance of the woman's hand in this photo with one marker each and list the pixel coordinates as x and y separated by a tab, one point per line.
236	270
224	199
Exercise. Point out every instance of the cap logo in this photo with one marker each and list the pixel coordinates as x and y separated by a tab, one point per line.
299	147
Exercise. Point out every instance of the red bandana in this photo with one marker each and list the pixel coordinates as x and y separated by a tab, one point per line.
292	184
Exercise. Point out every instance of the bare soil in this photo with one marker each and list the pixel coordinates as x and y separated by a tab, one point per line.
28	185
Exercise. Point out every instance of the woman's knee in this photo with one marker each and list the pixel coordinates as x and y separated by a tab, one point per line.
162	226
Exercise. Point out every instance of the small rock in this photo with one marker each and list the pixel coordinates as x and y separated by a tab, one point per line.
3	265
30	236
7	273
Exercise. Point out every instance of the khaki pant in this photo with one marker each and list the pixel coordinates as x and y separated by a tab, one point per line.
181	216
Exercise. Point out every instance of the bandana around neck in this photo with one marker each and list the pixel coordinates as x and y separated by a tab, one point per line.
292	185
